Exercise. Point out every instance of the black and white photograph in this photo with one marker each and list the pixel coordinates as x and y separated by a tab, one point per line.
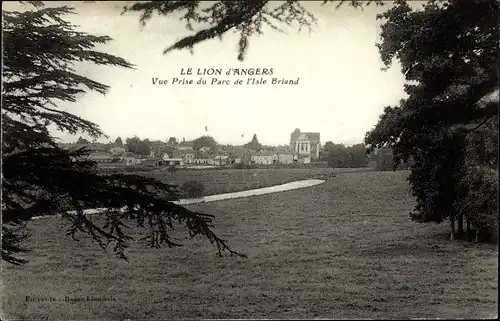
250	160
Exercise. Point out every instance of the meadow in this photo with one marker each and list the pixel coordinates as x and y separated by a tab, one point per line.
342	249
218	181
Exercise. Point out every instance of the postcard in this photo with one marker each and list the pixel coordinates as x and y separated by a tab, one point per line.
167	160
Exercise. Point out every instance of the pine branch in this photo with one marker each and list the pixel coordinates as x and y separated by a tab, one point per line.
40	178
243	17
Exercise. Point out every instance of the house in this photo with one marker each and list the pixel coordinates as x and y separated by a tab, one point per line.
282	149
101	157
117	151
261	159
188	156
128	158
205	149
305	145
185	145
285	158
172	159
203	161
151	162
177	153
233	160
174	162
221	160
264	158
239	154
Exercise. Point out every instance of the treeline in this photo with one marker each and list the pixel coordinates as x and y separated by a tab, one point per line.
144	147
356	156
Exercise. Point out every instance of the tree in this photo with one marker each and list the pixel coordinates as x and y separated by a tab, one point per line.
355	156
336	155
329	145
448	52
479	185
40	178
82	141
118	142
138	146
166	149
253	144
204	141
384	159
172	141
193	189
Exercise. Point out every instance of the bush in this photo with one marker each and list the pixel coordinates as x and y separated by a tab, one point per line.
240	165
193	189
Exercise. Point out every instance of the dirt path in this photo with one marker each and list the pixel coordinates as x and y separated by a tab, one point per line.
253	192
226	196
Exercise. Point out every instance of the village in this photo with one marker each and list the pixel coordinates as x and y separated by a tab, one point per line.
304	148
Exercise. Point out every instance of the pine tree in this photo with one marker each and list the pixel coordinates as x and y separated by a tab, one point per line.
39	177
82	141
254	144
118	142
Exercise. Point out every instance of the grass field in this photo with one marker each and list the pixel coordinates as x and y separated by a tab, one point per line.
342	249
218	181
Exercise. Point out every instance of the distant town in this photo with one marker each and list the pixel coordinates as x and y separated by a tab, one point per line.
304	148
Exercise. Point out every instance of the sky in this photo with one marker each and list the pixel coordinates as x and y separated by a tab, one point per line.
340	94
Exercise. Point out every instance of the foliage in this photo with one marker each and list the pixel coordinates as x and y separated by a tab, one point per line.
116	151
41	51
212	20
242	165
253	144
479	185
340	156
118	142
82	141
172	141
383	159
449	52
204	141
138	146
193	189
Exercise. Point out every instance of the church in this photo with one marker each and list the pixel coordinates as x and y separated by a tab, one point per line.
305	145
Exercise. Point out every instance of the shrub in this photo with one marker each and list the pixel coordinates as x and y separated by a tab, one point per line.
192	189
240	165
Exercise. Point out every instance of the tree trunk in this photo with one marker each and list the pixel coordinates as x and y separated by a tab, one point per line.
468	229
460	225
452	236
477	236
